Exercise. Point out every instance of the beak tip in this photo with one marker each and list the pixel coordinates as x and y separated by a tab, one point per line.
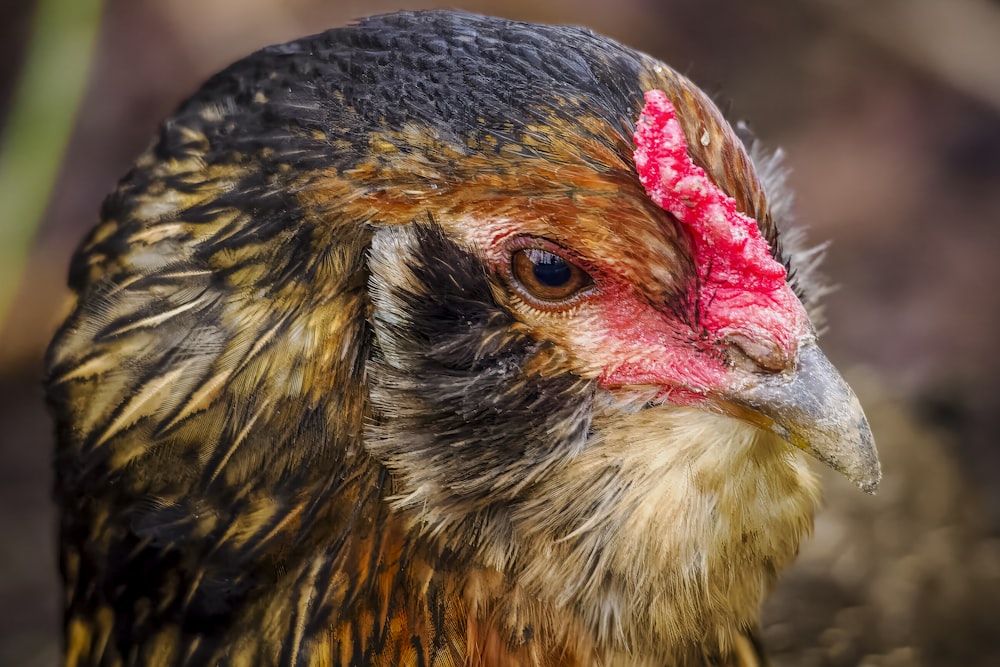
870	485
859	461
869	482
864	470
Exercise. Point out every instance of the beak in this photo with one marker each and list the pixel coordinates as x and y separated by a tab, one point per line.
813	408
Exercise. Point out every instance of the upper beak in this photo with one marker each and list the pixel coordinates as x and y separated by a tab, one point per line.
813	408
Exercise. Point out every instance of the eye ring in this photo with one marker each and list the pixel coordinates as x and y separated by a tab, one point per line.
546	278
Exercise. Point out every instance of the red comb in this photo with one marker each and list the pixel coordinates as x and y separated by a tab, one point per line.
727	242
742	281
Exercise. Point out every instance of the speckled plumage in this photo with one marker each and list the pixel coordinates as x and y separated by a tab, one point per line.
302	420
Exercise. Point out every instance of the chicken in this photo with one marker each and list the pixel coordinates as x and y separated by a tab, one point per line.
442	340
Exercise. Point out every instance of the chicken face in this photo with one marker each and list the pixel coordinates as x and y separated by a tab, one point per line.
439	338
701	310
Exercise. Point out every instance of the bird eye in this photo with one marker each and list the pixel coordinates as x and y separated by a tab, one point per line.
546	276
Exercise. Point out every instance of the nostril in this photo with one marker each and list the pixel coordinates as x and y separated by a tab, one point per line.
757	355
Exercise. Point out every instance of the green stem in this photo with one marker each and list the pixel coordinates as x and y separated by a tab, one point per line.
39	126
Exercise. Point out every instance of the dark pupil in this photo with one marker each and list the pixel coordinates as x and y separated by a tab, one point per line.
550	270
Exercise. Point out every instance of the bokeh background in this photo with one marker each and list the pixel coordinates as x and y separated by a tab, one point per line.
889	113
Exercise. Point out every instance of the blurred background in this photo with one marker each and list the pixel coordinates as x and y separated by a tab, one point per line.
889	113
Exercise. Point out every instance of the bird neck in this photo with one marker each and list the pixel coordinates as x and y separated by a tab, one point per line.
661	538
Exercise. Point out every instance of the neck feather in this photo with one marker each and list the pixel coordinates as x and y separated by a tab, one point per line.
667	531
